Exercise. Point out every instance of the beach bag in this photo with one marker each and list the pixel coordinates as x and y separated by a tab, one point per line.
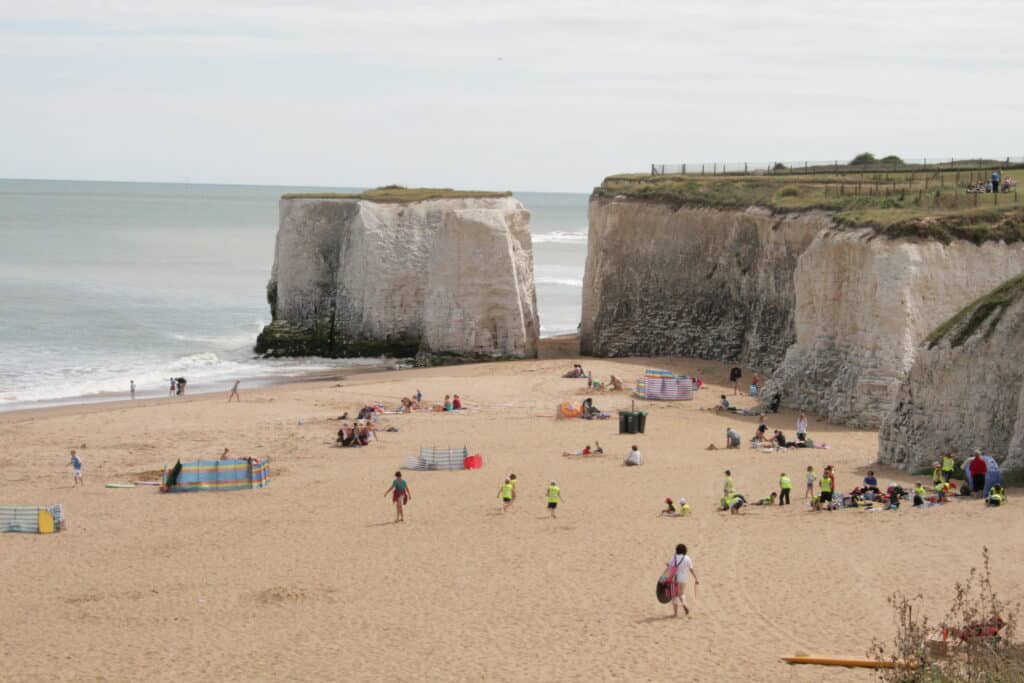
667	587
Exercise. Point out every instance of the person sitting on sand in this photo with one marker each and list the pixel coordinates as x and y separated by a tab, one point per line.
996	496
634	458
670	509
919	494
780	440
762	431
871	482
447	402
616	384
597	448
732	438
346	435
724	406
456	402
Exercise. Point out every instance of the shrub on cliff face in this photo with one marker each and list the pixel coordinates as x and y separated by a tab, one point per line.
863	158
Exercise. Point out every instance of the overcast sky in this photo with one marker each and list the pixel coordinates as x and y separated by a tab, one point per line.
521	95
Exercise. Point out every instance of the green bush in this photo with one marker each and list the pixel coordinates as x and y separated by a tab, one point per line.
892	160
789	191
863	158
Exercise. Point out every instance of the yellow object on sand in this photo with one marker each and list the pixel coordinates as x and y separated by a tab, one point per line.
45	522
846	661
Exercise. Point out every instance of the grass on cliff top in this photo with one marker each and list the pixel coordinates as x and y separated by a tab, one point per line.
931	204
973	316
396	194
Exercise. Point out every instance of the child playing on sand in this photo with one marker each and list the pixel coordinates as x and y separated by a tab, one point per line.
919	494
400	495
809	491
670	509
768	500
506	493
515	482
554	496
76	464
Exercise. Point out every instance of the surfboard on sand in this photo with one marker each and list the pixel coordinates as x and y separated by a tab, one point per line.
843	661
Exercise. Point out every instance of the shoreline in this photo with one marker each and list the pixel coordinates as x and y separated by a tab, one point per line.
548	348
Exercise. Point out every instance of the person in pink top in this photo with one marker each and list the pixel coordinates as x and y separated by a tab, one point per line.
977	468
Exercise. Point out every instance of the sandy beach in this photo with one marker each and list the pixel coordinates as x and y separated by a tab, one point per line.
309	579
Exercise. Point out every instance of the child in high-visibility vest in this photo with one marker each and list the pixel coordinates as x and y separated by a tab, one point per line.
506	493
515	482
554	496
919	494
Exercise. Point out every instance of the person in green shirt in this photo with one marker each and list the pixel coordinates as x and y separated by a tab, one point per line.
506	493
785	485
554	496
948	465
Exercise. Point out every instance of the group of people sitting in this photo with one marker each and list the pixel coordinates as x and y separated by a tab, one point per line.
576	372
358	434
997	183
672	509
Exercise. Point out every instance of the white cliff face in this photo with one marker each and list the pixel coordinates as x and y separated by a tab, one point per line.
864	303
963	393
697	282
452	277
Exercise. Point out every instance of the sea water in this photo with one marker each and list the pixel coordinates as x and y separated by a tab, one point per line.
102	283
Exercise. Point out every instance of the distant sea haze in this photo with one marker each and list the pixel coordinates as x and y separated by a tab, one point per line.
102	283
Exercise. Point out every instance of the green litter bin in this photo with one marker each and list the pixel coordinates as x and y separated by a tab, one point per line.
641	421
627	422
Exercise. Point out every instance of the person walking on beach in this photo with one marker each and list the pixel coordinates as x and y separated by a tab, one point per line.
801	428
400	495
515	482
76	464
785	486
506	493
809	491
554	496
174	387
131	389
680	567
234	392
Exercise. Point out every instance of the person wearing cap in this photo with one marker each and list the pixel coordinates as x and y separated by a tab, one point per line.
554	496
977	468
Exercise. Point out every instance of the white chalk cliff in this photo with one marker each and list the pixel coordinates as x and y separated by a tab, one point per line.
447	278
833	313
864	303
965	389
700	282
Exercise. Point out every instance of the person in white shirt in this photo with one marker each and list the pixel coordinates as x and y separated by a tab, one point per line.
801	427
683	567
634	457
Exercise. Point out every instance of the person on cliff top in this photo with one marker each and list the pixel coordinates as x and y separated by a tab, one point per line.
734	376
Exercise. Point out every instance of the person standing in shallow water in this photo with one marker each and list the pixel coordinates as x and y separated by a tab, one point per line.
400	495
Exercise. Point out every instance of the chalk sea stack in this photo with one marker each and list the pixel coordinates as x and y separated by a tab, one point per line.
440	275
965	389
